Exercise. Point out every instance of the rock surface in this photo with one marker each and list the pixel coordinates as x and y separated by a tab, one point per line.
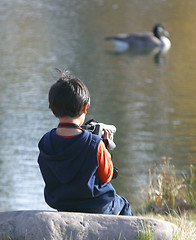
49	225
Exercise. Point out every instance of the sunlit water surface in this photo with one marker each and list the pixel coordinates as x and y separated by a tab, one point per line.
151	99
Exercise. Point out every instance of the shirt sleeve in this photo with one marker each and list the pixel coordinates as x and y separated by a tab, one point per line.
105	169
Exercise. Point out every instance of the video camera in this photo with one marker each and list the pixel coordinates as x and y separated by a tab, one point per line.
98	129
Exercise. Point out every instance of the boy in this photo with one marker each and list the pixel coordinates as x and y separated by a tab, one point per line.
75	164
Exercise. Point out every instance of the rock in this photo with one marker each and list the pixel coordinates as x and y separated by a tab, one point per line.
46	225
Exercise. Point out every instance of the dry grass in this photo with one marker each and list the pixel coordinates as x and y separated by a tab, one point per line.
186	224
172	197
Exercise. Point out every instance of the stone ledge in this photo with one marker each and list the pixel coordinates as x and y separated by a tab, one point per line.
50	225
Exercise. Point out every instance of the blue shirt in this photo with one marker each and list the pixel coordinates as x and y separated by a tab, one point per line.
69	169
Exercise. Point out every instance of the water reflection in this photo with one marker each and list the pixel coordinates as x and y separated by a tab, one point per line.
159	54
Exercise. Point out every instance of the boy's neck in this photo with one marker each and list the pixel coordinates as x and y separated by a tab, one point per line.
70	131
78	121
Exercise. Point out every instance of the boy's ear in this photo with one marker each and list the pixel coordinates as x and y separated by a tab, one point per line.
84	109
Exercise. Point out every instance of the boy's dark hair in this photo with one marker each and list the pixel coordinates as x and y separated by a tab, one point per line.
67	97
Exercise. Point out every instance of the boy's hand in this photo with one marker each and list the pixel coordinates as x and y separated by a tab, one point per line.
107	134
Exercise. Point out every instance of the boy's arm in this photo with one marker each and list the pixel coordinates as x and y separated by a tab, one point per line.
105	169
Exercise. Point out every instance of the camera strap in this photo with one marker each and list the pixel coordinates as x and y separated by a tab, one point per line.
68	125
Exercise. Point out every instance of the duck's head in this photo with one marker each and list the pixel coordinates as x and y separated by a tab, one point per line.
159	30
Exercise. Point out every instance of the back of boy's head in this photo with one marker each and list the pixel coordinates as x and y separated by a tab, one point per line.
67	97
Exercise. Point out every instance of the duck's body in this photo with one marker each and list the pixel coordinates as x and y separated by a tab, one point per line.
143	39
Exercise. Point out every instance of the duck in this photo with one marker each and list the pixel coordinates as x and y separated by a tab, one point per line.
156	38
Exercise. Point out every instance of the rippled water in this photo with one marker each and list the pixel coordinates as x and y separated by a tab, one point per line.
149	98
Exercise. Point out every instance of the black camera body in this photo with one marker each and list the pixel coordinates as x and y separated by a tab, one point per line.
97	128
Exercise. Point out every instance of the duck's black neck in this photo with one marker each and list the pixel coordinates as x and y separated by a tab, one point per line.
156	33
156	30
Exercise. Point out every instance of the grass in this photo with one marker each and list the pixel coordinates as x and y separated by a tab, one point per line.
6	237
171	197
168	191
144	232
185	223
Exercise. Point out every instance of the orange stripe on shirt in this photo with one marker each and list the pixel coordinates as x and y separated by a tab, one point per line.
105	169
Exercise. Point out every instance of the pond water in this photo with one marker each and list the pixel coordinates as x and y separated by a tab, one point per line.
151	99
